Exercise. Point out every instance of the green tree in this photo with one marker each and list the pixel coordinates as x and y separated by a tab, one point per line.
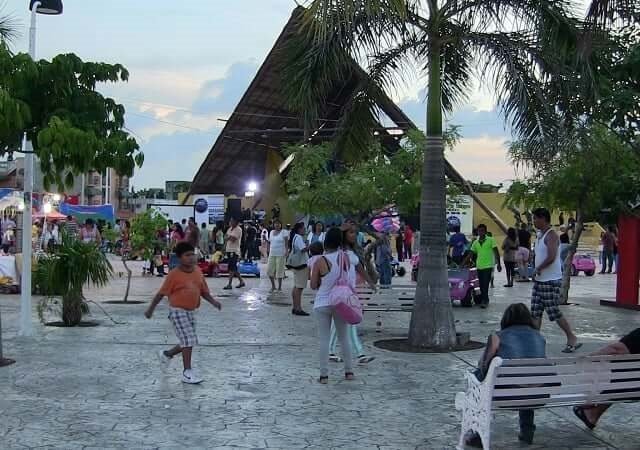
364	185
451	41
143	239
594	170
73	128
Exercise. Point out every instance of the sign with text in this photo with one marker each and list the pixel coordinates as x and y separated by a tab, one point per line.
460	213
208	208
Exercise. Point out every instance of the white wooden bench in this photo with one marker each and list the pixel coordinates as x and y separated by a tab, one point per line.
393	298
511	384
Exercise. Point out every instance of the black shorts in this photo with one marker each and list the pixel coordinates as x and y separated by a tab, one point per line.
232	261
632	341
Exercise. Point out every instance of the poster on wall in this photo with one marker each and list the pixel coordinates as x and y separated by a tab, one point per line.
460	213
209	208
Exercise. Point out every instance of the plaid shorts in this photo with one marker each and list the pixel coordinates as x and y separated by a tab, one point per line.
546	296
184	323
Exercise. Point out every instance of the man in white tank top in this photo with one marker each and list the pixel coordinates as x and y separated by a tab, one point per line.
548	278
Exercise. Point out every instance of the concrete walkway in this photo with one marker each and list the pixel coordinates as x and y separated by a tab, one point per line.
102	387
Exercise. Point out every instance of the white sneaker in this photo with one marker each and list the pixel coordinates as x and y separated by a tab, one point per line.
164	359
189	376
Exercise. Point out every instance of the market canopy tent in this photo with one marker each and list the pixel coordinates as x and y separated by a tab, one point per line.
262	121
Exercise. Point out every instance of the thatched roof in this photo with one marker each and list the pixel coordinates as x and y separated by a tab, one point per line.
262	121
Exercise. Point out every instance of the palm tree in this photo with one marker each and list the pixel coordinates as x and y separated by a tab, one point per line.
515	46
65	272
8	28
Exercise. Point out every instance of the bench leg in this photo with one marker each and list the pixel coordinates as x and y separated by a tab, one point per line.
475	419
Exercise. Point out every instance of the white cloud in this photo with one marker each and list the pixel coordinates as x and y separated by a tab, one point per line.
482	159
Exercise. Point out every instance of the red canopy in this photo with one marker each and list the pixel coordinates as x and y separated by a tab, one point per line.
53	215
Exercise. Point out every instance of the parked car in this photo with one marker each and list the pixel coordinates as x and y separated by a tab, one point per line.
464	285
583	263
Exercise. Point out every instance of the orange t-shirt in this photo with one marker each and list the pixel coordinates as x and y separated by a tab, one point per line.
184	289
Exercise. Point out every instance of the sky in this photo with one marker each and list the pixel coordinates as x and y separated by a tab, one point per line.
191	61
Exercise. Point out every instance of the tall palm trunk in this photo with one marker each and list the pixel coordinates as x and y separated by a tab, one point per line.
573	248
432	323
129	273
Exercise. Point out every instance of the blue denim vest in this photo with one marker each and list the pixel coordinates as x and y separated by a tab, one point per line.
521	341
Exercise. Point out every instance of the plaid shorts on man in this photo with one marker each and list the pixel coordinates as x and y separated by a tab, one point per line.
184	323
546	296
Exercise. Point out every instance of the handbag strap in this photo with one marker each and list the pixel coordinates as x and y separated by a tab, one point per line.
343	263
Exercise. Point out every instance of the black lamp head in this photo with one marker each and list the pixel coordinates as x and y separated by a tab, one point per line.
49	7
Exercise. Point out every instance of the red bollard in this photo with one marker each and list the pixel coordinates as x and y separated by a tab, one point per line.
629	271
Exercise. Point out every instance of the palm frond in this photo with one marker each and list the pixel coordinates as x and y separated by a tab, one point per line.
516	67
457	66
8	28
330	35
606	13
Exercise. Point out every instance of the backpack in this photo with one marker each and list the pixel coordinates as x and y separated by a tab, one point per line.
343	297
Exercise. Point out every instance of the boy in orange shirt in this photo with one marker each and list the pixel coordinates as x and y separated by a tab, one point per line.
184	286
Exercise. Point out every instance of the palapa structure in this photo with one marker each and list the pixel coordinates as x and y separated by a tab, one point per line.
249	148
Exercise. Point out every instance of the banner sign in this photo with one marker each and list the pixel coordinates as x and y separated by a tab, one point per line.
208	208
460	213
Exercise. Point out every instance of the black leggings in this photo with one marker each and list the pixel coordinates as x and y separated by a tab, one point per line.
509	267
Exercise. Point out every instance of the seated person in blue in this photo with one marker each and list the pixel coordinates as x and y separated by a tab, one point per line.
518	338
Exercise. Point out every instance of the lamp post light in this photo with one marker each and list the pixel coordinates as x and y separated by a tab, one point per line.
47	7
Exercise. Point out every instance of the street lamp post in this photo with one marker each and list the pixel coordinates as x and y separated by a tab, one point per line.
48	7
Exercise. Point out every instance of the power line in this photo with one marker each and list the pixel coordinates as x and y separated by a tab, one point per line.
172	123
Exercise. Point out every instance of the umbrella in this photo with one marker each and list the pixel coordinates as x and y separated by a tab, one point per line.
387	224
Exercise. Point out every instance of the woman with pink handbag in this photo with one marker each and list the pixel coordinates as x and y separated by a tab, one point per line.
328	274
358	276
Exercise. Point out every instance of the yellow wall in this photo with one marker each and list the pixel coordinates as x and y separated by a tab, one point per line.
589	240
272	189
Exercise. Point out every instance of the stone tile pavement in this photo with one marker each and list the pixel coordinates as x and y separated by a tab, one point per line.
103	388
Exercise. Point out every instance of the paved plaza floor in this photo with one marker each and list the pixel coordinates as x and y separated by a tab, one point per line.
102	387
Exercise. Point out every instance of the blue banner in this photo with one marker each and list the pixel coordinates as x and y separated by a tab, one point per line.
84	212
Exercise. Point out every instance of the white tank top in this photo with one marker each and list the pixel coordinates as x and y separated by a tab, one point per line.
552	272
328	281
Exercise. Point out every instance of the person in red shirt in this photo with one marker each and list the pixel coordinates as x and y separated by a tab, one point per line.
408	241
184	286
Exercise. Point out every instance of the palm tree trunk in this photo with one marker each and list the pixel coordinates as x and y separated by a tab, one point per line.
126	293
573	248
432	323
72	308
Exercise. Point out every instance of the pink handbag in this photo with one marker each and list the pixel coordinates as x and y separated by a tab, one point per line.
343	297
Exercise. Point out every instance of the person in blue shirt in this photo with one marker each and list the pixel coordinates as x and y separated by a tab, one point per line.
518	338
458	244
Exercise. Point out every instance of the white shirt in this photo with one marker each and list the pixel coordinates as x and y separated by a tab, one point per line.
328	281
278	243
552	272
298	243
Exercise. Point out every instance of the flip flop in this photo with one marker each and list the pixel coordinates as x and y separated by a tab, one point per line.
571	348
579	412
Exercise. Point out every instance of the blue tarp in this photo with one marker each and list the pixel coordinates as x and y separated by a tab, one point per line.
6	191
84	212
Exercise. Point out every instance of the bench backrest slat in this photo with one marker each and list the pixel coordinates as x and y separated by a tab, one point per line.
522	390
570	399
568	368
567	379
